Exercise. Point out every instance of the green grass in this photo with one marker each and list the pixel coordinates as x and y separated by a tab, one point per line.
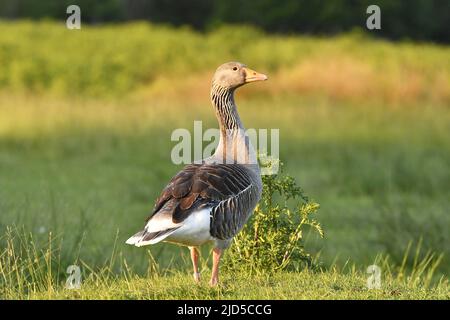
87	180
363	127
381	175
29	270
300	285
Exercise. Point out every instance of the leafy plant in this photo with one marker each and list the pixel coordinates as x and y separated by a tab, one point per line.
273	239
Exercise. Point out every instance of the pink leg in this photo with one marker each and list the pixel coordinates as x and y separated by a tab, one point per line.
194	257
217	253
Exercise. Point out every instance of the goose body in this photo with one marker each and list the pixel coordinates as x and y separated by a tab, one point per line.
203	203
210	202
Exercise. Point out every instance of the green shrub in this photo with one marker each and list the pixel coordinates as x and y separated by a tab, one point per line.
117	60
273	239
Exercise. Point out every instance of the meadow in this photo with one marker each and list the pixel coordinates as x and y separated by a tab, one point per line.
85	124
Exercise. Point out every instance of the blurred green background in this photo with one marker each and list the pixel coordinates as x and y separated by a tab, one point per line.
402	19
86	116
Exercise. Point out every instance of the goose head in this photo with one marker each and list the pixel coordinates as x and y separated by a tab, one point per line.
232	75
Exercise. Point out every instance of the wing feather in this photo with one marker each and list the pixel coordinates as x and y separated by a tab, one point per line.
227	188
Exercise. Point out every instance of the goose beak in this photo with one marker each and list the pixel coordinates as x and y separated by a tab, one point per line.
252	75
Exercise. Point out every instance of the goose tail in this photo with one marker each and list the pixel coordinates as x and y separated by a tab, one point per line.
144	238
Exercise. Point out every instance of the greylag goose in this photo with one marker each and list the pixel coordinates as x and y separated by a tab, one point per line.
210	201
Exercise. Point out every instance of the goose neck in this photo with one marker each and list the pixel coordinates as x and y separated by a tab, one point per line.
234	144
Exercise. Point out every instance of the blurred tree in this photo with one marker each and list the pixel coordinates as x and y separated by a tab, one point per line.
92	11
410	19
176	12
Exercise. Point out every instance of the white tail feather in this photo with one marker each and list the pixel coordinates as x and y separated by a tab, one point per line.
138	239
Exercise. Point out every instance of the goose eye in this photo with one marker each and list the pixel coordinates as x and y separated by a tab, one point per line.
235	68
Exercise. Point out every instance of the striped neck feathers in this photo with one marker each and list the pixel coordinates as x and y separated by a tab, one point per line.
225	107
234	145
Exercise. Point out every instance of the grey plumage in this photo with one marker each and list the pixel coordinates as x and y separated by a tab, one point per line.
230	190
